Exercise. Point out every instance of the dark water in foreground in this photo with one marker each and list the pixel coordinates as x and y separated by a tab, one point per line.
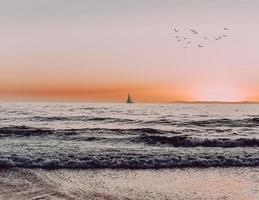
99	135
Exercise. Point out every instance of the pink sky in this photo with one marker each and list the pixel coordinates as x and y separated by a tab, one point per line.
96	51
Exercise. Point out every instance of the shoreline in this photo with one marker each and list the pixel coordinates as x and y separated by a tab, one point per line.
239	183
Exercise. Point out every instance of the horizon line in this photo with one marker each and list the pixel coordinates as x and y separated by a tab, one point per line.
165	102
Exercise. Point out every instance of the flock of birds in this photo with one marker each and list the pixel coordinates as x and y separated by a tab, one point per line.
187	41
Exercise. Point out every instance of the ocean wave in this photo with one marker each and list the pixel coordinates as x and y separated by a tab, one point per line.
24	131
246	122
30	131
150	136
129	161
220	122
80	118
186	141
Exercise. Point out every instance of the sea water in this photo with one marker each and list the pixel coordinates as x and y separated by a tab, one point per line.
130	136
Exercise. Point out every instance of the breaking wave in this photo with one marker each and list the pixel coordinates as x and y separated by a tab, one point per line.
148	136
130	161
186	141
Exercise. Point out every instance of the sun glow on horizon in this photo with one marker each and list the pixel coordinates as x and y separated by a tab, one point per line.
220	93
100	51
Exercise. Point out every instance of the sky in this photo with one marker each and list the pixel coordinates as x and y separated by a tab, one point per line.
99	51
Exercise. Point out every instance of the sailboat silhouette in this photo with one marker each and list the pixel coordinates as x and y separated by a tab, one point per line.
129	99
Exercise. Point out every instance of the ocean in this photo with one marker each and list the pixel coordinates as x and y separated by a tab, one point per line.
116	151
128	136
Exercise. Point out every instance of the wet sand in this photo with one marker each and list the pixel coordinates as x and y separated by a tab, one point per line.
207	183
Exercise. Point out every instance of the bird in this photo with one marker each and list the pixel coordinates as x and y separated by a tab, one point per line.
218	37
194	31
186	39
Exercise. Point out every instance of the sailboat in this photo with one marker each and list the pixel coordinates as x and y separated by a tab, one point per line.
129	99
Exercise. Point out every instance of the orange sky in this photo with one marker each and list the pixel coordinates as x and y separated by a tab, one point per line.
100	51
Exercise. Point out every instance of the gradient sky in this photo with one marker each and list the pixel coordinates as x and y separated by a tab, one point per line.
98	50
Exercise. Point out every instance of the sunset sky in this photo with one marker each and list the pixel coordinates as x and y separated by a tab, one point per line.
98	50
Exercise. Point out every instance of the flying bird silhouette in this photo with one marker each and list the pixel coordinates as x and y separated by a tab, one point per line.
199	37
194	31
218	37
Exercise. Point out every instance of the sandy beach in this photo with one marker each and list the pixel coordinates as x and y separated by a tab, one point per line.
206	183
